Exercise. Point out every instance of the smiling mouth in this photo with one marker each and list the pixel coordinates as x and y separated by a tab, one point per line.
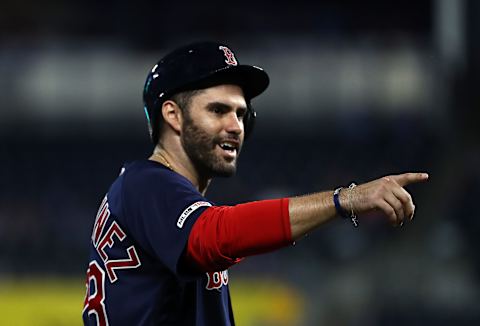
229	148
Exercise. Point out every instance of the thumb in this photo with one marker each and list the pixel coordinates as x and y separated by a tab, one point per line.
408	178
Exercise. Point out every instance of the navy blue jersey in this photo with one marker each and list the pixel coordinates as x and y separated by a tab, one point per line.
136	275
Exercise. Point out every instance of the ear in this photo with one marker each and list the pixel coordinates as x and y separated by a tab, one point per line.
172	115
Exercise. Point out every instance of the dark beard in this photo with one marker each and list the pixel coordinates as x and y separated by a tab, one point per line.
200	148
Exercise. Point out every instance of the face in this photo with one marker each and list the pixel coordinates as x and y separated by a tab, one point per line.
212	130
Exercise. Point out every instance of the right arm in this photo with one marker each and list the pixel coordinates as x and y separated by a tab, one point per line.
223	235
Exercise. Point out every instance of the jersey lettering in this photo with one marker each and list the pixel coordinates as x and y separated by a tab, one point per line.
95	295
100	221
95	302
215	280
131	262
108	240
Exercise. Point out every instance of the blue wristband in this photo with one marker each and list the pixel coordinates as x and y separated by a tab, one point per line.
336	201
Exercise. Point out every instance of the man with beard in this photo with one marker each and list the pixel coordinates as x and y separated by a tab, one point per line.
159	249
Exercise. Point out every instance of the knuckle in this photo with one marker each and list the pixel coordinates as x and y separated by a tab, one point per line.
382	188
409	197
410	206
380	197
397	204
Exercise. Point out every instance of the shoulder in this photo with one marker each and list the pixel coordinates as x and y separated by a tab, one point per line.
146	181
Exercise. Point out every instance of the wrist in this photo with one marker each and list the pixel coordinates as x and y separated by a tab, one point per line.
343	201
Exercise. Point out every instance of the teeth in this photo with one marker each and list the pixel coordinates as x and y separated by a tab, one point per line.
227	146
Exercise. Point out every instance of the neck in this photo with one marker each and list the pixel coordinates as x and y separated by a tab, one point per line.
179	162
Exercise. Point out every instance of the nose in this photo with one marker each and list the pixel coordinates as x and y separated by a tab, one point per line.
234	124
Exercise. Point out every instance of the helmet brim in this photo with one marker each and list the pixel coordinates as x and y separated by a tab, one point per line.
253	80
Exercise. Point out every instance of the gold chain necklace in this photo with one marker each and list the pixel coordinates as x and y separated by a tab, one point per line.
163	160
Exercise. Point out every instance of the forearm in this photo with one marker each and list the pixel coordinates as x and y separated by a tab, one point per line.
310	211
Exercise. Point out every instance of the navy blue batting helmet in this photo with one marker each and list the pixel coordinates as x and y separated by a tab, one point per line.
197	66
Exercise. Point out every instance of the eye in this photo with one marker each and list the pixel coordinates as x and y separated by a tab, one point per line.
241	113
217	110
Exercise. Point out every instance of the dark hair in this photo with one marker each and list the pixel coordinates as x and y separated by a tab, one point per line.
183	100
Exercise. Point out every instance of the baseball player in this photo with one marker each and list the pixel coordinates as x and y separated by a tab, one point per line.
160	250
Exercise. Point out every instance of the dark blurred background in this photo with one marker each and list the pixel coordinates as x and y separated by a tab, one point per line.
359	89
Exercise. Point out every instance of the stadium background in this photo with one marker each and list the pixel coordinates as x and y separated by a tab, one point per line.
358	90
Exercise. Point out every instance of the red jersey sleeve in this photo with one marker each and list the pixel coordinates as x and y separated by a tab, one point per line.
223	235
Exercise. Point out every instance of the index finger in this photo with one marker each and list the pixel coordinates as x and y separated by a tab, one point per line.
408	178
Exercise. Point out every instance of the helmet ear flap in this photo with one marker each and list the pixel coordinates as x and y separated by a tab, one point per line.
249	120
150	107
153	122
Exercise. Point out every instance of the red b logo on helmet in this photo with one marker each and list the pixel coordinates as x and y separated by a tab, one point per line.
230	57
